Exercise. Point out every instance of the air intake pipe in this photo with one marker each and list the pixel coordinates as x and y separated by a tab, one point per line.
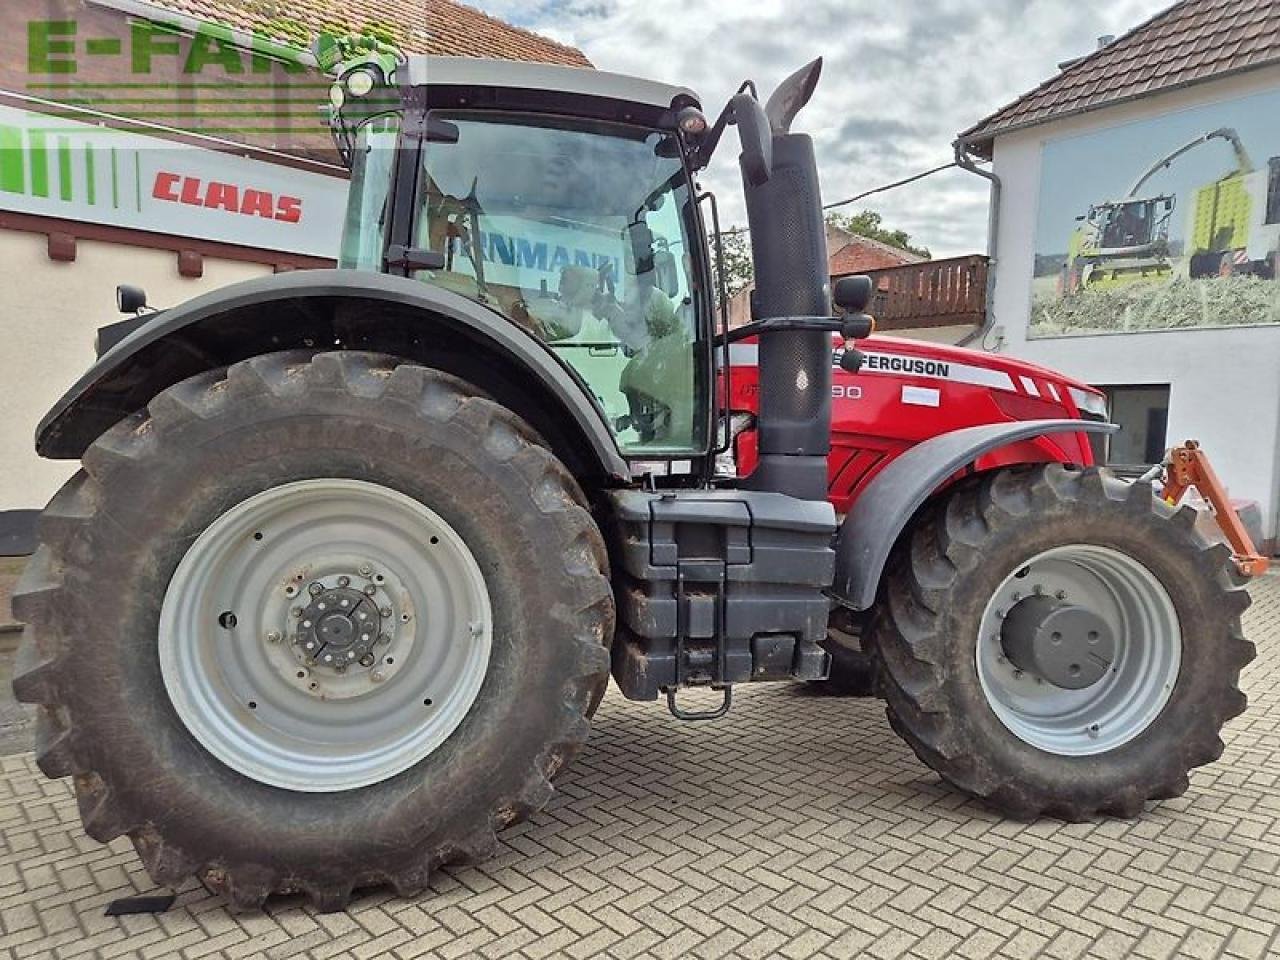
789	252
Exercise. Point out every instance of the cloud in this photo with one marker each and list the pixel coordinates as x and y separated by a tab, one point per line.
899	80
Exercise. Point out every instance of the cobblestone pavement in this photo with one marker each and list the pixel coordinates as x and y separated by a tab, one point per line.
799	826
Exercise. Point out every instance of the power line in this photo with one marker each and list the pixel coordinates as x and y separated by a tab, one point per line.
889	186
866	193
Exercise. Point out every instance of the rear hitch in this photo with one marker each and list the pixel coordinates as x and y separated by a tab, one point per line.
717	713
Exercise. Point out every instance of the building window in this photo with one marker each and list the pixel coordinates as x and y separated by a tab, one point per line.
1143	415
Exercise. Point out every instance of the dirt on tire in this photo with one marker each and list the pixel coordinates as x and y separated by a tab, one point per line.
113	536
940	577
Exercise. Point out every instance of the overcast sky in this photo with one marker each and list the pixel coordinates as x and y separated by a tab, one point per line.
900	80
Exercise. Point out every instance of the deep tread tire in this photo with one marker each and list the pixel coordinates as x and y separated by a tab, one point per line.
938	582
853	672
112	537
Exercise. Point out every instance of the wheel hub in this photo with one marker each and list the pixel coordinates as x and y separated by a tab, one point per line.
1123	676
1067	644
291	641
340	628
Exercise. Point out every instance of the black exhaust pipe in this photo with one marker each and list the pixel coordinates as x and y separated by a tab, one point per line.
789	251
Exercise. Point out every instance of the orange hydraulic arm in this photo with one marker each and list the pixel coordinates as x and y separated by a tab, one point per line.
1187	466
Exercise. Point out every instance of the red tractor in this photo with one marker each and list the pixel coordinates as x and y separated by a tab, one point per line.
905	392
354	553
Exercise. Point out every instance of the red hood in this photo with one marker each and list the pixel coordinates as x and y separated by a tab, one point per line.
978	358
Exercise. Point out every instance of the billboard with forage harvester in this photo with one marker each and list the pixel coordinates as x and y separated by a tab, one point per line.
1164	223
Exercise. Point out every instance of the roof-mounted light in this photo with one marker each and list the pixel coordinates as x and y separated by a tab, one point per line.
691	121
361	82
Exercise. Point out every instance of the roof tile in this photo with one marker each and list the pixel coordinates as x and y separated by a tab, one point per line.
419	26
1192	41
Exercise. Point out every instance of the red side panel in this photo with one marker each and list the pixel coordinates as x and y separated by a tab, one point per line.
908	392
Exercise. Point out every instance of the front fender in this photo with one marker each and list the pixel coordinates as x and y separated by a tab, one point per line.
884	508
343	309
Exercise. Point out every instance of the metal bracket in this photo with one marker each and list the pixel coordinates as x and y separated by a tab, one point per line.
720	711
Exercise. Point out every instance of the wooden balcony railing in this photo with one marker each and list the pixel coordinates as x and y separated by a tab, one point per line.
933	293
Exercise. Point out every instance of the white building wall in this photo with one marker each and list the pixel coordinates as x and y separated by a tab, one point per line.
51	312
1225	382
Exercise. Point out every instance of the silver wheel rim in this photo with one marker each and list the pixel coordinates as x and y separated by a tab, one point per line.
1130	695
333	554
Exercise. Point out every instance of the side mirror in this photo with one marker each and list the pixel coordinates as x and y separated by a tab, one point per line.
852	294
757	140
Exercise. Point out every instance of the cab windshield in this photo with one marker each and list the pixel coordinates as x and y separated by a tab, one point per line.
581	232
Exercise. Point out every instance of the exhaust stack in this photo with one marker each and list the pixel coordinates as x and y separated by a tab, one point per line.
789	252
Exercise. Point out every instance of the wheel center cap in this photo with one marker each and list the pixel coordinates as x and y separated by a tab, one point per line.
1067	645
337	630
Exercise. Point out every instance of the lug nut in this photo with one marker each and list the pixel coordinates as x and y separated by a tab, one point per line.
366	660
316	589
296	611
273	636
344	581
377	676
385	611
370	589
365	569
311	645
1061	594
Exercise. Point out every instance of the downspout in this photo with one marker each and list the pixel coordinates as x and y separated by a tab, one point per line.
964	161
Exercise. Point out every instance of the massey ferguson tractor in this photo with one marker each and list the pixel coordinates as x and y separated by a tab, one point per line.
354	552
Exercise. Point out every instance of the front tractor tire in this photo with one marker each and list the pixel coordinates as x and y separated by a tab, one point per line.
199	633
1055	641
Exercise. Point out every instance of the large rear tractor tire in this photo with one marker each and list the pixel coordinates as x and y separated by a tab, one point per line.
314	623
853	670
1055	641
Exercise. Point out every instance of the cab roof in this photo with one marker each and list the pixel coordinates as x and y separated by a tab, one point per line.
570	83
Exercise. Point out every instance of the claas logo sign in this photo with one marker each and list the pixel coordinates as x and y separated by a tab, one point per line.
234	198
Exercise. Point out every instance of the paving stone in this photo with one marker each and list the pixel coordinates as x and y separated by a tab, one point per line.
799	826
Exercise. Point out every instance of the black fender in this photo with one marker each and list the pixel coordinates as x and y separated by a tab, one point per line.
883	510
338	309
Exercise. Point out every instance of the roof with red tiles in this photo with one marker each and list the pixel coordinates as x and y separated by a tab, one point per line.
418	26
862	253
1190	42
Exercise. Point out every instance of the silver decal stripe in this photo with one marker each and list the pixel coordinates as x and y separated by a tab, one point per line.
894	363
748	354
1029	385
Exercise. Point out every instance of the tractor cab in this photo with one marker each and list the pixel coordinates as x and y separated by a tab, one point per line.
1129	227
569	210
